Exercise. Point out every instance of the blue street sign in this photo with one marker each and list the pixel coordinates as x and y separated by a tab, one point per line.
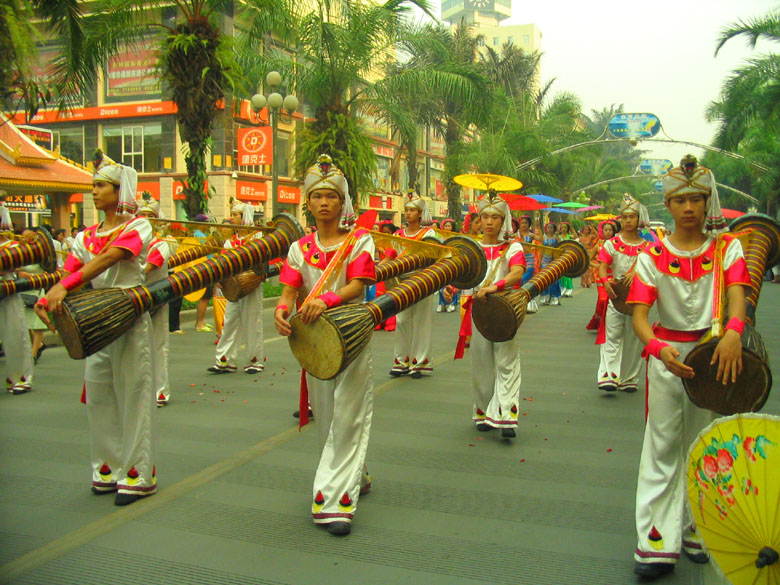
634	126
655	166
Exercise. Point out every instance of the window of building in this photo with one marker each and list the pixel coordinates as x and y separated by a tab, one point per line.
526	40
282	156
511	40
495	41
70	143
138	146
382	174
481	42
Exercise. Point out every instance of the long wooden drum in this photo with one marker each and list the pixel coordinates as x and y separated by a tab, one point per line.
500	316
747	394
237	287
621	296
41	251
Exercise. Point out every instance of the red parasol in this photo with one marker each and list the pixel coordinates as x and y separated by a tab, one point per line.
731	213
518	202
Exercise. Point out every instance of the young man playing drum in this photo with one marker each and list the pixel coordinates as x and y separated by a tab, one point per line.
495	367
244	317
414	326
336	265
118	379
157	269
620	351
680	274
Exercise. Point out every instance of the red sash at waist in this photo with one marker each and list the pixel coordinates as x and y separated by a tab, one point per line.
676	335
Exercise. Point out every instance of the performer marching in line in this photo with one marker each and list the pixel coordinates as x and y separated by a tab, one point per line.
552	294
607	230
620	359
13	325
118	379
681	274
527	236
339	265
414	326
495	367
157	269
244	317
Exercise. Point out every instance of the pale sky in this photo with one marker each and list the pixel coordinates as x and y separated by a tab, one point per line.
655	57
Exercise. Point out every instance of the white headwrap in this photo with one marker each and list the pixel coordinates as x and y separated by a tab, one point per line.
5	218
414	200
116	174
692	178
149	206
246	210
492	203
632	205
324	175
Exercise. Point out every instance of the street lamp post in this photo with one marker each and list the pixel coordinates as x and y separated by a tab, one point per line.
276	105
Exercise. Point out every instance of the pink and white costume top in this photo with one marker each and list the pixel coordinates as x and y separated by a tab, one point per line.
620	256
134	236
515	256
307	259
159	253
683	283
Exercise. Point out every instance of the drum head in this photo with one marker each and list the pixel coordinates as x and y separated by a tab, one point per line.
231	288
69	333
748	394
620	304
318	346
495	319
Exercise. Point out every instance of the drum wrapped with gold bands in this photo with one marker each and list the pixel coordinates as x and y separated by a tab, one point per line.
751	390
402	265
621	295
44	280
212	245
747	394
236	287
119	308
500	316
41	251
327	346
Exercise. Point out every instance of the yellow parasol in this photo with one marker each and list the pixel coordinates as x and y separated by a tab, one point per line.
485	181
600	217
734	491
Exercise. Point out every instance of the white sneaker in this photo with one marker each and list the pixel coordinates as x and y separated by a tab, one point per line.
555	302
451	308
532	307
438	308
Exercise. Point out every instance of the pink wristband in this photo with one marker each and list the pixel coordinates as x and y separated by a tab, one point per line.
331	299
735	325
282	307
72	280
43	302
391	253
500	285
654	347
603	280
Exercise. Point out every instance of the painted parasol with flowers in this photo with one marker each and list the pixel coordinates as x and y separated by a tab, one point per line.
734	492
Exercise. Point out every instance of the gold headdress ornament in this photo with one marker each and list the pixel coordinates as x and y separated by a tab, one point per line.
413	199
491	202
691	178
325	175
123	176
632	205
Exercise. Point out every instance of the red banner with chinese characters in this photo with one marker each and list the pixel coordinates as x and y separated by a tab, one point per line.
133	72
255	146
100	112
152	186
251	191
289	195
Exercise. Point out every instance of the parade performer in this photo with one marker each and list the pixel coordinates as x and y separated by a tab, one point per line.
620	351
526	235
552	294
566	232
13	325
680	275
340	264
118	380
495	367
588	239
606	231
243	324
157	269
414	326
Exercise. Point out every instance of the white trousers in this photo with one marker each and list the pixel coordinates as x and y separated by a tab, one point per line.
343	407
121	406
413	338
664	522
16	343
621	353
495	380
243	327
162	389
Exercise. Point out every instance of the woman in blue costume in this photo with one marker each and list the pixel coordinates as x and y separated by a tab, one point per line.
527	236
552	294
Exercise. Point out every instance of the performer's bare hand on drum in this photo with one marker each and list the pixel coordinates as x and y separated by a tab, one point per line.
311	310
610	291
481	294
669	355
728	354
280	320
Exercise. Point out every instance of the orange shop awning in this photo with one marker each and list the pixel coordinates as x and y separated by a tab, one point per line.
76	198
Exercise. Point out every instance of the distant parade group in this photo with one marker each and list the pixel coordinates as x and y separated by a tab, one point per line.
348	276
